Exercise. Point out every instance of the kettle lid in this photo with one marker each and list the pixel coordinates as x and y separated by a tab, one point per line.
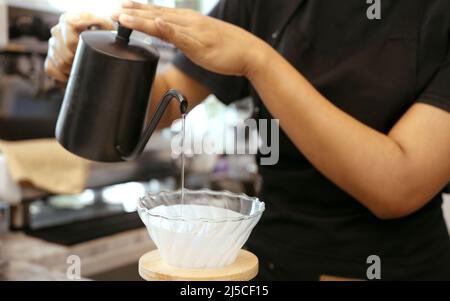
114	44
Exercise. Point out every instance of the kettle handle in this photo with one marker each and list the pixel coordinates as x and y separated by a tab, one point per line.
171	94
123	35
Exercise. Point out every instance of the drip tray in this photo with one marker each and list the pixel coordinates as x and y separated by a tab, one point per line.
82	231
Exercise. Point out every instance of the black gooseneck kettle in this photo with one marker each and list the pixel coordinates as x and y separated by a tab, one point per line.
107	96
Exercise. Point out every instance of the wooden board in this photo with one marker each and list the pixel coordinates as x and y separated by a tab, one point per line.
152	267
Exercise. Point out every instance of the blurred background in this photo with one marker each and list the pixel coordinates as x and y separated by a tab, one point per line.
89	208
40	224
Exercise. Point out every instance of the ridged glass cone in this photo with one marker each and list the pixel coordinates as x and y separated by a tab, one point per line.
207	230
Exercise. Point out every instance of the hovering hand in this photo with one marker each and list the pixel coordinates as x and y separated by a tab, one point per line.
213	44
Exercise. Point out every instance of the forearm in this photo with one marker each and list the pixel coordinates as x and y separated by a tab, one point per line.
161	86
367	164
172	78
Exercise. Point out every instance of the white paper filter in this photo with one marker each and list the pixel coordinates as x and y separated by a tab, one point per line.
201	236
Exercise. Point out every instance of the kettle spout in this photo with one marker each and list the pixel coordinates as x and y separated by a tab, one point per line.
165	101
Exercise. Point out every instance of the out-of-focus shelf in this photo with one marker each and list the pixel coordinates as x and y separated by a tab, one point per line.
17	48
35	5
43	10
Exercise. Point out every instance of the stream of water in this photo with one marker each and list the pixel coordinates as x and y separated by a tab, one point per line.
183	130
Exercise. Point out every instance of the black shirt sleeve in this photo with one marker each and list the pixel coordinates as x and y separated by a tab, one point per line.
437	93
225	88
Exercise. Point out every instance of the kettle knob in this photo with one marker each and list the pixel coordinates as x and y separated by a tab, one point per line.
123	34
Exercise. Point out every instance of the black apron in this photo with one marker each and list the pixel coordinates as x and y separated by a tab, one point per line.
311	228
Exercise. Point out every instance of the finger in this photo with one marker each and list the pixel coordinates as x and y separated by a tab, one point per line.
69	38
53	52
169	16
54	72
115	15
82	21
131	4
139	24
59	42
73	21
58	61
69	18
61	63
138	5
171	33
101	22
157	10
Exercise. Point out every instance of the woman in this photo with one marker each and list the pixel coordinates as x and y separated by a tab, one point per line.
363	105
